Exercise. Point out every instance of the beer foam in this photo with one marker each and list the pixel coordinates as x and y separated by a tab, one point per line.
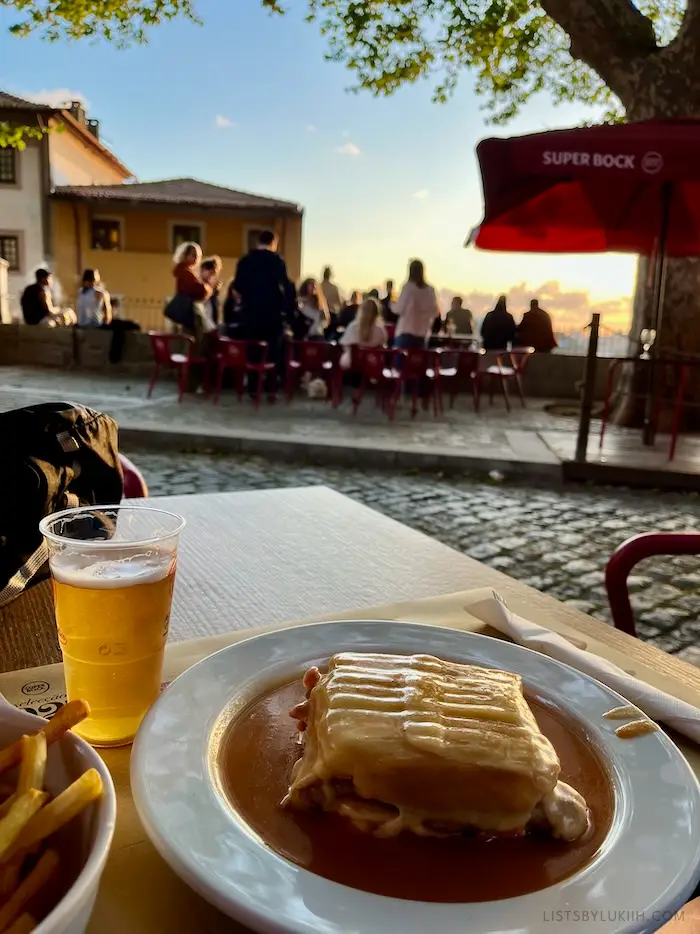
97	574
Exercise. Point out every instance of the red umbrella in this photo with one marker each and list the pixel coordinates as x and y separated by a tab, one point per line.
631	188
593	190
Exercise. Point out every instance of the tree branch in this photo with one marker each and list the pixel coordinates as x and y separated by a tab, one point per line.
607	35
687	40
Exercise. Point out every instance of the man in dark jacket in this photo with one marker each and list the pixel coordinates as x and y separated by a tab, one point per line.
267	295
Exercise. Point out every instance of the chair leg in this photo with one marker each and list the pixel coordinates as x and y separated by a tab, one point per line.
153	381
504	390
183	381
393	400
476	390
680	395
219	383
359	392
519	387
606	405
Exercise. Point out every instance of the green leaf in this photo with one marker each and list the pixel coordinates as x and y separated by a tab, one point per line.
118	21
512	48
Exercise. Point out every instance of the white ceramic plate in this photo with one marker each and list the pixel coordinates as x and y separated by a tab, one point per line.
646	869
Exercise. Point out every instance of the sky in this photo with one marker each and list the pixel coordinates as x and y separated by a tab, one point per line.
247	101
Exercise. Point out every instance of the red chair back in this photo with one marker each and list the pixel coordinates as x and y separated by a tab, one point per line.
371	361
519	357
162	344
415	362
628	555
134	483
311	355
233	354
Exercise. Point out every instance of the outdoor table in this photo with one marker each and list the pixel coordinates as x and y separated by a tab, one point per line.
263	560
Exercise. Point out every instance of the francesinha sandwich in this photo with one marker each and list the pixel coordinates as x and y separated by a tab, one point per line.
413	743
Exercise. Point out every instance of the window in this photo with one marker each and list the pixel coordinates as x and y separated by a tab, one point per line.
9	250
252	234
106	234
186	233
8	166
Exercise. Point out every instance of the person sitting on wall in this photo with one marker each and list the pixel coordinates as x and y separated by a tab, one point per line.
498	327
37	303
535	330
94	305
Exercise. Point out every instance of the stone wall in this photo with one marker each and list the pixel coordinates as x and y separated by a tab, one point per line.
547	376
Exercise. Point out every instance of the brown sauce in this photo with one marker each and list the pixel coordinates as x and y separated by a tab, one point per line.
257	754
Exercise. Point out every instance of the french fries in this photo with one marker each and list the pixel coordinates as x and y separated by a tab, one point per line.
29	816
67	717
33	764
28	888
19	815
56	814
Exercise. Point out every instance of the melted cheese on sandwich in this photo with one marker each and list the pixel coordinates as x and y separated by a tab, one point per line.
415	743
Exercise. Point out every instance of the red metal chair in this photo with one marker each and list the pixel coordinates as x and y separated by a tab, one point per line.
417	369
164	355
503	372
679	370
318	358
628	555
236	356
458	369
375	369
134	483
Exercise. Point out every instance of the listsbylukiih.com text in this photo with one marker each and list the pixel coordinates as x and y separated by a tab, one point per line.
609	915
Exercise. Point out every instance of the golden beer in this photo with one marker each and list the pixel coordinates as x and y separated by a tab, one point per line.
112	612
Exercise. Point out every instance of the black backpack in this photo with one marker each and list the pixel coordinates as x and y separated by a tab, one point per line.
53	456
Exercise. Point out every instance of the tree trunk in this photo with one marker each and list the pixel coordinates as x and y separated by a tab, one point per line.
666	86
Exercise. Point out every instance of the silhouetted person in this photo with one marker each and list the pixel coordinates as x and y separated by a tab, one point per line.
387	303
498	327
331	293
36	301
267	296
460	317
535	330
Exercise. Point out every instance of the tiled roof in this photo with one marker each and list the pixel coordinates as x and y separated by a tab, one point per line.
10	102
184	191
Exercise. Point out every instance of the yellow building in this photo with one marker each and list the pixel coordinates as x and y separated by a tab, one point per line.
68	203
130	231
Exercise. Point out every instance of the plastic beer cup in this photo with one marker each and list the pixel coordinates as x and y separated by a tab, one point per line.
113	570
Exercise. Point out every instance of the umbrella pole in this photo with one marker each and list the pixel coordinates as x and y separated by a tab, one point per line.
657	315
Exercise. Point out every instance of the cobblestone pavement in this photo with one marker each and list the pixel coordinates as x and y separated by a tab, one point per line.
555	540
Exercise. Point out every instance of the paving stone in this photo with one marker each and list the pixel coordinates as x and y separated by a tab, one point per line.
556	541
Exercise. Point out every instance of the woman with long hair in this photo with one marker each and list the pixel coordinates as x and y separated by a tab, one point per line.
313	307
93	307
416	308
366	330
210	272
186	308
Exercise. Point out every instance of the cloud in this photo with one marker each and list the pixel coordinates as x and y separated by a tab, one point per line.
348	149
570	309
223	123
310	128
56	97
421	194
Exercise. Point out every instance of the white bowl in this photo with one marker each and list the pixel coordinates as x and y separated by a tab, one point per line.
646	869
93	830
